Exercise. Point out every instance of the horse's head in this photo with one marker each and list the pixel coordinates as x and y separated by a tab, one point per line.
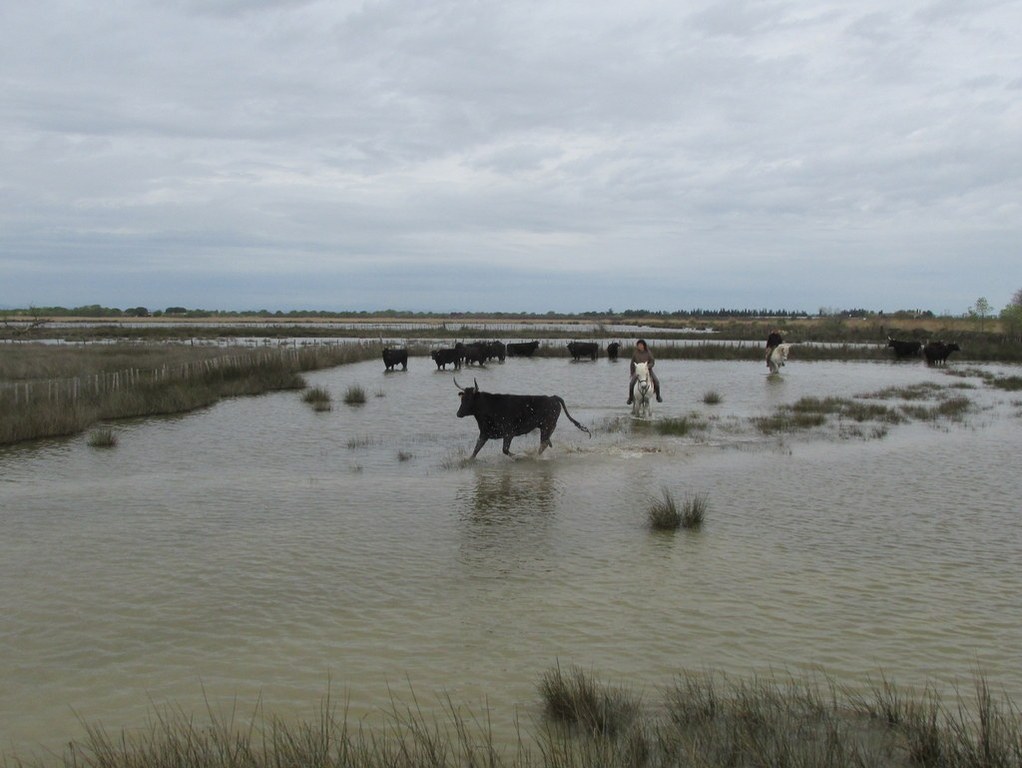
642	371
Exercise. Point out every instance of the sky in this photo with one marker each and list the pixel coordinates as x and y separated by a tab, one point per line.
511	155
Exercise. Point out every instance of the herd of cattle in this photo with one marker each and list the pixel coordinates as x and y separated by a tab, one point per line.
504	417
481	352
935	352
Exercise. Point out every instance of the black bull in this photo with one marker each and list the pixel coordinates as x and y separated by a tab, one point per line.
507	416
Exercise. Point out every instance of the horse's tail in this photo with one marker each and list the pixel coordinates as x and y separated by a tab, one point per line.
564	405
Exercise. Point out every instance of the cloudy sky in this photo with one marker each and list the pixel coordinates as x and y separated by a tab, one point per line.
511	155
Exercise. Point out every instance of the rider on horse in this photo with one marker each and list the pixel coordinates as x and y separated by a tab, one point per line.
643	355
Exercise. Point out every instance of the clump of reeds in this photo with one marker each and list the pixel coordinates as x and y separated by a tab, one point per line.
316	395
663	512
678	426
103	438
404	456
318	398
712	397
693	512
354	395
787	421
575	698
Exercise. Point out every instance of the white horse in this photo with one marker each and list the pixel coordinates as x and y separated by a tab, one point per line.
778	356
642	405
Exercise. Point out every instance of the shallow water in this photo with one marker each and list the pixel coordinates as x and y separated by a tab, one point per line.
259	551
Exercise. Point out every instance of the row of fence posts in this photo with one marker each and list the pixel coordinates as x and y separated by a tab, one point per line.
19	394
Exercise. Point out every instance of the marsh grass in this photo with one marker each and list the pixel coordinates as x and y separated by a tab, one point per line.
712	397
51	407
693	512
697	720
354	395
786	420
405	456
679	426
663	513
316	395
1007	383
103	438
361	441
811	412
575	698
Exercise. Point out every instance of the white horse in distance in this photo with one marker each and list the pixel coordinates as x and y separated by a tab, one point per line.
778	357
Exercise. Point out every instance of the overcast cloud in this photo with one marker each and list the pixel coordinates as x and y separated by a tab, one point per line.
511	155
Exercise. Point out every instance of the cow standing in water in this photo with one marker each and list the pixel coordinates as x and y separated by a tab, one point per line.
905	348
936	352
394	357
504	417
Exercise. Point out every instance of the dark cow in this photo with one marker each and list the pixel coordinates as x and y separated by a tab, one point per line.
905	348
612	349
937	352
472	353
522	348
583	349
443	357
392	357
503	417
494	349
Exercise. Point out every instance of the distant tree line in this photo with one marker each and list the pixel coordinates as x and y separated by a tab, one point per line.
1011	313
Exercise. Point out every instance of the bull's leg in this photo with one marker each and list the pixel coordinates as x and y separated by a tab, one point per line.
479	446
544	437
507	446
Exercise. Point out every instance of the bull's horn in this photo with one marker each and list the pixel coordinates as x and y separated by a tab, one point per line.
476	383
458	385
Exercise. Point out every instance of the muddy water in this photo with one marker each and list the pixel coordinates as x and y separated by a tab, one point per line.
259	551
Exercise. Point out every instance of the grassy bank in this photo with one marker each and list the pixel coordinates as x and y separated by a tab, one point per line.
698	720
49	391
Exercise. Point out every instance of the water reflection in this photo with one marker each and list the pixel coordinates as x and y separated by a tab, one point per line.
508	510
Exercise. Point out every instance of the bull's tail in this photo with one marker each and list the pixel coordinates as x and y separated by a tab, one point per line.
564	405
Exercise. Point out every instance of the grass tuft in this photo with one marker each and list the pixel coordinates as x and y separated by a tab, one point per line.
577	699
678	426
663	513
694	511
103	438
354	395
316	395
713	397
